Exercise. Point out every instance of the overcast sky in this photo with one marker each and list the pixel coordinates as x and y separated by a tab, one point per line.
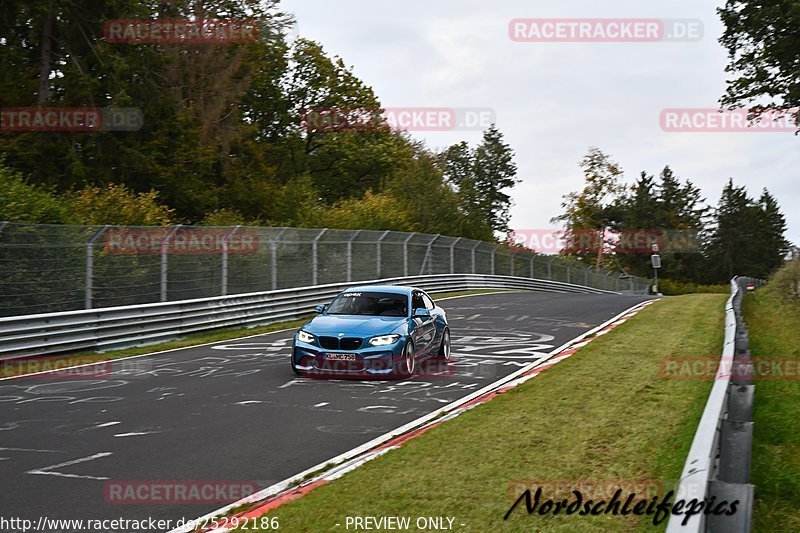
552	100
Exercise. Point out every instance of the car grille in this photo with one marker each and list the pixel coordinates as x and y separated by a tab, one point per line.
347	343
350	344
329	343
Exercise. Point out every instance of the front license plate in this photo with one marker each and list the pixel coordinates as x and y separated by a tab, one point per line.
340	357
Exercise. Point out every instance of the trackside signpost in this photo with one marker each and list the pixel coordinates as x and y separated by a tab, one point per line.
655	259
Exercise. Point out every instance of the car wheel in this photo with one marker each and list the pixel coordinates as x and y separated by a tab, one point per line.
444	348
294	368
408	361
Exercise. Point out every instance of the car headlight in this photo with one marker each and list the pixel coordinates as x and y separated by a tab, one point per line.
302	336
384	340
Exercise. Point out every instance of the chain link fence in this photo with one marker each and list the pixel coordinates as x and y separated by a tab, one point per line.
51	268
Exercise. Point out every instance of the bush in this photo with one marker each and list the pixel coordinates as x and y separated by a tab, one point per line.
785	283
23	202
671	287
117	205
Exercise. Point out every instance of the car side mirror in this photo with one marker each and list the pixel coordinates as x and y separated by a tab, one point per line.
421	312
320	308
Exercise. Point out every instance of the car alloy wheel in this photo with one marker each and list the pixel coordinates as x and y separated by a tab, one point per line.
444	349
408	362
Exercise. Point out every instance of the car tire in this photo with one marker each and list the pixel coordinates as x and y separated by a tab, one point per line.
444	348
294	368
408	361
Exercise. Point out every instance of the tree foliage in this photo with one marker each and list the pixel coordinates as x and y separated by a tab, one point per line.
763	45
224	138
742	236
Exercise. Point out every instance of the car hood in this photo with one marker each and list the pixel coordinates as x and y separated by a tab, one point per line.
353	325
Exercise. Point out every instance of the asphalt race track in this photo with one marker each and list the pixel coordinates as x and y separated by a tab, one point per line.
234	411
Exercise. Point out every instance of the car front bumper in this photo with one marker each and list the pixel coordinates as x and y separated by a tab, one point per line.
373	360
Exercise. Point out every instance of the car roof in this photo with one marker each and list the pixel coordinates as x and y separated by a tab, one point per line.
394	289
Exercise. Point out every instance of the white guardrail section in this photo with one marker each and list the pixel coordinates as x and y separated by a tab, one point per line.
719	454
119	327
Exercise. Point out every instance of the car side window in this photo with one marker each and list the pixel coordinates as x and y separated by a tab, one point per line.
417	302
428	302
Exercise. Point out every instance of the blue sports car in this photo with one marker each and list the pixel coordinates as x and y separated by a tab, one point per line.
381	330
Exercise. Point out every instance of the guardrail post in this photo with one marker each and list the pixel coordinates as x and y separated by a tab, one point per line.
378	254
89	282
405	254
315	257
453	255
224	282
164	263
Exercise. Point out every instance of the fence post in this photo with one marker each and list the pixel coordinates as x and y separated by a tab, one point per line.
405	255
378	255
550	268
586	276
315	257
350	256
428	256
493	254
453	255
531	260
273	248
224	282
473	256
164	264
569	274
89	283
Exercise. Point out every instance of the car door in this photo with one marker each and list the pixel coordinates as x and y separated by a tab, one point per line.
424	328
437	321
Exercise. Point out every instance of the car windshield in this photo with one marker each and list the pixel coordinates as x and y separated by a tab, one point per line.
370	304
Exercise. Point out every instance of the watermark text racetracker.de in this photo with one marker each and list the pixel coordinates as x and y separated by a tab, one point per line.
128	525
78	119
604	30
701	368
181	241
710	120
398	119
591	241
189	31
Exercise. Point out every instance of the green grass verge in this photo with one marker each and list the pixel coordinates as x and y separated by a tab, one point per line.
774	327
605	414
67	360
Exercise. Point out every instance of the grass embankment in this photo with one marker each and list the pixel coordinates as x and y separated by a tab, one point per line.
65	361
605	414
774	326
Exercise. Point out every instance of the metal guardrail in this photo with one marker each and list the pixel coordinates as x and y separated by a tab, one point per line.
718	464
119	327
